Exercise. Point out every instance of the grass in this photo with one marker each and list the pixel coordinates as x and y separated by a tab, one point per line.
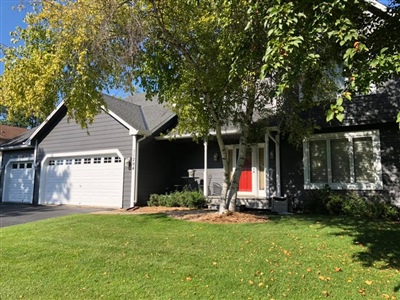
155	257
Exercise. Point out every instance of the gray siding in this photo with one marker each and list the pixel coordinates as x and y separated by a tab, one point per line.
292	169
104	133
7	156
390	154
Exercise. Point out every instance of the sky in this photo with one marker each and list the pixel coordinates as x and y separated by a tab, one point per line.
11	18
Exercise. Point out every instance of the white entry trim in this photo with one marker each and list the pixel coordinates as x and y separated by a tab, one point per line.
6	172
42	186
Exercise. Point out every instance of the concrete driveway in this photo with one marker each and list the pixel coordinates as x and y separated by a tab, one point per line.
13	214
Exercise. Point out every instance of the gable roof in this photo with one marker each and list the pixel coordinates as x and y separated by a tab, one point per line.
141	117
126	111
9	132
18	141
154	113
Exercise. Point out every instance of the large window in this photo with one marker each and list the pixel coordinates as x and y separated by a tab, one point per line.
348	160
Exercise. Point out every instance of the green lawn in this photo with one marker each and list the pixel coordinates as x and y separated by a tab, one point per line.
155	257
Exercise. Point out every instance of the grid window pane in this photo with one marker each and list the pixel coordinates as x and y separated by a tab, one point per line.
318	162
363	159
340	160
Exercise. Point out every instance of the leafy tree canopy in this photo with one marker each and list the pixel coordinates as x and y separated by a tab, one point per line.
216	63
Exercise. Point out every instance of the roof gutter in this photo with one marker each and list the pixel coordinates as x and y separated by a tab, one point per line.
17	147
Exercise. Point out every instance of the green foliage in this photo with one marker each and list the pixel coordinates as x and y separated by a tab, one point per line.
178	199
70	50
326	201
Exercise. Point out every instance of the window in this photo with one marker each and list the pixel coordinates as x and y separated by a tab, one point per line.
87	161
77	161
60	162
21	166
51	163
15	166
348	160
68	161
97	160
29	165
107	160
117	159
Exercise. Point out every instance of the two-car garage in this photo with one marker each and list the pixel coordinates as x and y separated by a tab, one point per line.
82	179
77	179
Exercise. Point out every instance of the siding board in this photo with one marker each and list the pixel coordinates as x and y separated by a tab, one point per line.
104	133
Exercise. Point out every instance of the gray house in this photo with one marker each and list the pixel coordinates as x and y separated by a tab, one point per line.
60	163
123	157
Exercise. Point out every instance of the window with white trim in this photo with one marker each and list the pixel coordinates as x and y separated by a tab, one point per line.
117	159
87	161
97	160
348	160
107	160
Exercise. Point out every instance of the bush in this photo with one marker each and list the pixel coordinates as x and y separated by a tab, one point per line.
178	199
326	201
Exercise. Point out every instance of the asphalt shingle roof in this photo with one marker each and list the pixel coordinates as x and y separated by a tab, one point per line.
19	140
154	113
129	112
8	132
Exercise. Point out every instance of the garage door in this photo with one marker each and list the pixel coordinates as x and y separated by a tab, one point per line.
84	180
18	183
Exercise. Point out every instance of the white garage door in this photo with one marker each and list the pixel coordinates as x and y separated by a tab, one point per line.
18	184
84	180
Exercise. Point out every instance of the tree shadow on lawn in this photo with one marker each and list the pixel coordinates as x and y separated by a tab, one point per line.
379	240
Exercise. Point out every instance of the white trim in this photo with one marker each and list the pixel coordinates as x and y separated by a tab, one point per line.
278	164
205	173
133	171
42	185
352	185
266	166
132	130
6	172
188	135
378	5
29	140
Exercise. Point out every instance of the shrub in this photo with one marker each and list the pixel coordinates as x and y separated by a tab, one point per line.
326	201
188	199
315	201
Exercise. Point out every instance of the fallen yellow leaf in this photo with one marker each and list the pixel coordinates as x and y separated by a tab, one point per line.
369	282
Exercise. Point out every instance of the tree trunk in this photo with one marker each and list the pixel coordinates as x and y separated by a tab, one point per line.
231	185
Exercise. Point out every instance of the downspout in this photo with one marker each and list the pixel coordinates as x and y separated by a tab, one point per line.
135	169
205	172
35	166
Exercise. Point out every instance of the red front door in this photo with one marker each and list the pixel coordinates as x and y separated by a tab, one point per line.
245	182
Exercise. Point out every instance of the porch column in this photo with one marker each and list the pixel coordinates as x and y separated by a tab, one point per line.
278	164
205	172
266	165
134	170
